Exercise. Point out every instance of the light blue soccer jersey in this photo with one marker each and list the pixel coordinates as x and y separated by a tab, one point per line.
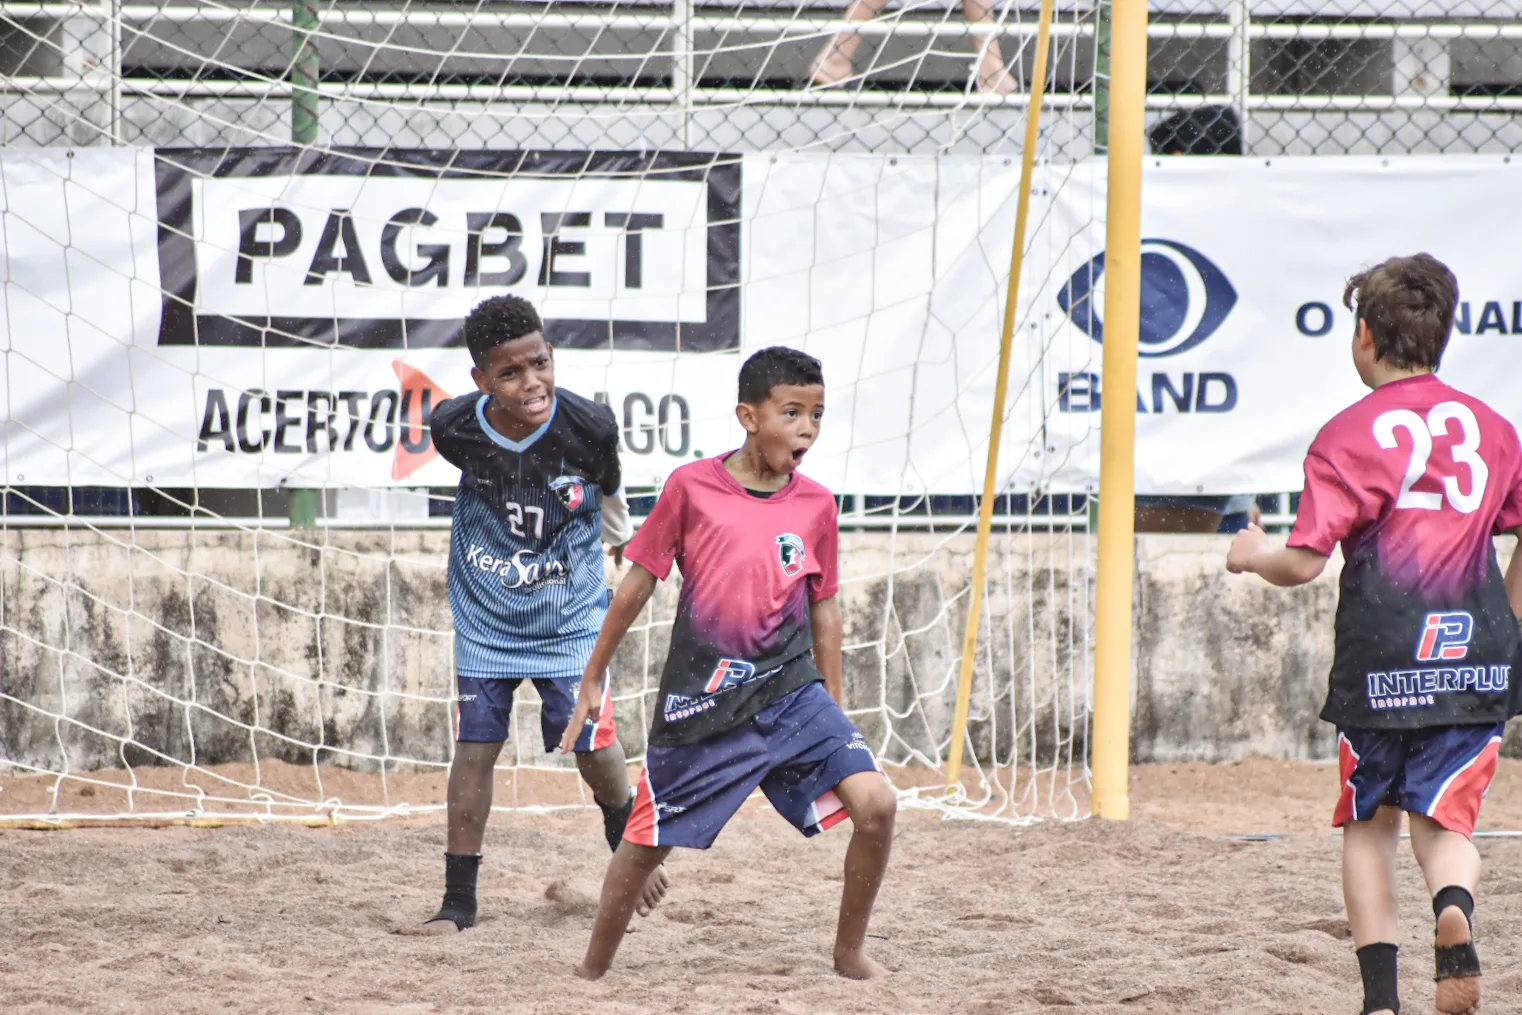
525	557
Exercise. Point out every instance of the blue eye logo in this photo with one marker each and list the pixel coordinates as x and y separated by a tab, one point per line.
1184	298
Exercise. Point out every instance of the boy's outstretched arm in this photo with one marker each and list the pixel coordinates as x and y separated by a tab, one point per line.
829	633
1281	565
1514	576
632	595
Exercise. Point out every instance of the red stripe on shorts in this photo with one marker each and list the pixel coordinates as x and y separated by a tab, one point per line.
1347	764
830	810
1457	806
641	828
607	730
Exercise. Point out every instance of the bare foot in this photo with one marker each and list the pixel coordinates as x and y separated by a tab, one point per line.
993	77
586	972
1459	995
834	64
655	890
856	966
1000	82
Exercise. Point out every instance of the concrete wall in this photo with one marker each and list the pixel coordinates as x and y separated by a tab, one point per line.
179	646
1228	666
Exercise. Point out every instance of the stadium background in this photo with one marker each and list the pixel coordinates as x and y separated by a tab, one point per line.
174	655
171	675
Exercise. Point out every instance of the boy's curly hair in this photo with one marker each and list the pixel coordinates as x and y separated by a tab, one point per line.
497	320
1409	304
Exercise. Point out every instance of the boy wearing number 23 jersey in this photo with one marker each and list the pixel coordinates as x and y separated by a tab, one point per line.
1414	481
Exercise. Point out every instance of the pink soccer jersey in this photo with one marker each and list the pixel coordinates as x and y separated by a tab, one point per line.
1414	480
751	566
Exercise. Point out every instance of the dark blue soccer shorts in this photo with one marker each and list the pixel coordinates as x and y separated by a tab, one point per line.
797	750
1442	772
485	711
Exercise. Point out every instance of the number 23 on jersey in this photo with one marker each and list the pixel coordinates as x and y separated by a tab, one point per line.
1455	423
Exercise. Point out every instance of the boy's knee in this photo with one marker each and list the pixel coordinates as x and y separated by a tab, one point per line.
875	811
475	758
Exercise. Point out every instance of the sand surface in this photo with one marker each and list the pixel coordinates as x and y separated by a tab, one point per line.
1161	914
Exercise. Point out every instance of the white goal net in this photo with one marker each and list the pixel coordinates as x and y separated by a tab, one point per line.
239	240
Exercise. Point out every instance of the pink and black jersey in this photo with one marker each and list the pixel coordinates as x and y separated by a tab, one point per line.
1414	480
751	567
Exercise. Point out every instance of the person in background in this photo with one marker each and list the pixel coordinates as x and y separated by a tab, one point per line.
836	61
1196	514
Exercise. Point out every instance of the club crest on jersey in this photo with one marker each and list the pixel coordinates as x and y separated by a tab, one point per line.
570	489
1445	637
790	553
728	673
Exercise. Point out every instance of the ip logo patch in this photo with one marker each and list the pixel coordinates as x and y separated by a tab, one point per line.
1445	637
728	673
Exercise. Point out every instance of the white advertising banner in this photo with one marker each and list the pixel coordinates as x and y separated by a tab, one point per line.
1245	343
259	317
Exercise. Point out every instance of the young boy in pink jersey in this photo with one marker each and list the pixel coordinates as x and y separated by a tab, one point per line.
750	694
1414	481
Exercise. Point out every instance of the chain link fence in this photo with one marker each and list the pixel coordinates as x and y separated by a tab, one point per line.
1263	77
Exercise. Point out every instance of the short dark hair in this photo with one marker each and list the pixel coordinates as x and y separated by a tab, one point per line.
776	365
1409	303
497	320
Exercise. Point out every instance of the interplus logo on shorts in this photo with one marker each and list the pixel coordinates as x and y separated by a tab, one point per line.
1445	637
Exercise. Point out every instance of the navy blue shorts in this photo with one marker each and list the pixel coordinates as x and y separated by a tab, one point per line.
797	750
485	711
1442	772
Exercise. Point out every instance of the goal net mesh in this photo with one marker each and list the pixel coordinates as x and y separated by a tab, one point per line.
175	644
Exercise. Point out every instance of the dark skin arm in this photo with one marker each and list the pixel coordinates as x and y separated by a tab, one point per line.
632	595
829	657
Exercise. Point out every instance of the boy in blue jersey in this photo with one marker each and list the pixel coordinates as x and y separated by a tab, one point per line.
540	490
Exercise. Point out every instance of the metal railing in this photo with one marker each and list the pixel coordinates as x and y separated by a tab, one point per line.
110	72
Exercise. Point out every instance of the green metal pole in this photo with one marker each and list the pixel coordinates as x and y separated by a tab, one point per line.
304	71
304	116
1102	77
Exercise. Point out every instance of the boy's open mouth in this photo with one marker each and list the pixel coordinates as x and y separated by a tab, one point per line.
798	454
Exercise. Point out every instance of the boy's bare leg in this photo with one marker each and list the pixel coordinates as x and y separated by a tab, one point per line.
1448	858
869	799
993	77
469	805
606	773
470	792
1368	878
834	63
621	891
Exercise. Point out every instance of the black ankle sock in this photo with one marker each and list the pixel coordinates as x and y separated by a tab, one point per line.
460	870
1376	963
614	819
1455	961
1454	895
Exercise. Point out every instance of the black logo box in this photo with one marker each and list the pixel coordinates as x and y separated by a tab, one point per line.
182	325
